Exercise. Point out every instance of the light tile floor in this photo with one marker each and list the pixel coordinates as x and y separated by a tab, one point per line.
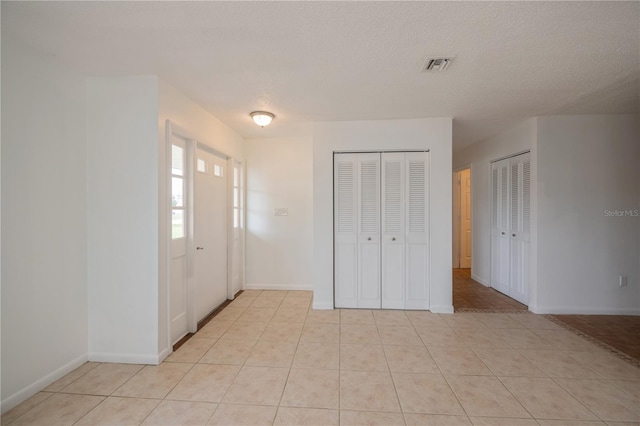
268	359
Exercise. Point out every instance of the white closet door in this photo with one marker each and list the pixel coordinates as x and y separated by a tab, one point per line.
520	227
381	230
346	230
417	230
500	226
393	226
369	231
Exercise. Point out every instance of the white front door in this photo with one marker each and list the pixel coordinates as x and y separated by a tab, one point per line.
210	231
465	218
179	300
238	229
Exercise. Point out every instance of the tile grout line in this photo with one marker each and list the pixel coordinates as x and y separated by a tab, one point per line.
576	398
445	377
217	340
286	382
393	382
239	369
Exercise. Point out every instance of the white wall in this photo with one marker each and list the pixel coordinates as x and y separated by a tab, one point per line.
587	165
122	218
479	156
279	248
201	125
44	293
432	134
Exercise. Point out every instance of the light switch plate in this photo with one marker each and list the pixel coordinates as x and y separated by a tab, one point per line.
281	211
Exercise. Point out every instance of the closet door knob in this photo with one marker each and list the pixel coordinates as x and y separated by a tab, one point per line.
393	239
513	235
369	239
503	233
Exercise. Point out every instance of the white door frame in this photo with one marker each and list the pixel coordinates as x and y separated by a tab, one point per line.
191	145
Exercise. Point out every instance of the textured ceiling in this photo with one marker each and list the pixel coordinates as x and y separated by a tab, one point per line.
313	61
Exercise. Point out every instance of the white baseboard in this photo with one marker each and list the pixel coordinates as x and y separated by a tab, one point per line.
258	286
576	310
124	358
164	354
27	392
322	305
480	280
445	309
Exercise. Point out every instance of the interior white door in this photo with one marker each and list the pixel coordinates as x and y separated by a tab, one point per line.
345	221
357	230
369	230
465	218
520	227
381	230
500	226
393	230
511	226
210	232
179	302
417	230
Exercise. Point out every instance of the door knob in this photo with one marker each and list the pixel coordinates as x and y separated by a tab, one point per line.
513	235
503	233
369	239
393	239
199	248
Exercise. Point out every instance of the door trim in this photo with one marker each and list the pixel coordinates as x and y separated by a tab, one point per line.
191	144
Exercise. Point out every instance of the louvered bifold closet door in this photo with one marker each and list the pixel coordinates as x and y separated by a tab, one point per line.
346	230
417	230
520	224
357	230
393	227
500	225
369	291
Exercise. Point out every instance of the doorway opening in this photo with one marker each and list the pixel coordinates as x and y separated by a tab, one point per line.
468	294
462	219
205	232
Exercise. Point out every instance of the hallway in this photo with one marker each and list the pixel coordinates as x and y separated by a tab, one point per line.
471	296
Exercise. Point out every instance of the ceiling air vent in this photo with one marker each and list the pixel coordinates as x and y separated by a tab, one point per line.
436	64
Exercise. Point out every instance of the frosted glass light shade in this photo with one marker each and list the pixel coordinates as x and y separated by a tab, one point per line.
262	118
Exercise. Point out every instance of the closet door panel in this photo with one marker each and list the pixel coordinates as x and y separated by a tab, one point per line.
500	226
346	231
393	223
520	227
381	227
417	230
369	291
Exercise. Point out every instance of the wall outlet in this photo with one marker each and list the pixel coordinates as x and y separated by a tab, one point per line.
623	280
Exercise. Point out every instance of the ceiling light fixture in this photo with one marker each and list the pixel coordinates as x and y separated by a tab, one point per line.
262	118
